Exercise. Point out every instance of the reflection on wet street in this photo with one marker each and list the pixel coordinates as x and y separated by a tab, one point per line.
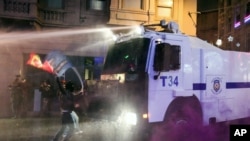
27	129
43	129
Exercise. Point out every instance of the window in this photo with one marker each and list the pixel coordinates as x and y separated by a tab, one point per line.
58	4
89	61
126	55
99	5
55	4
229	2
247	15
237	22
167	57
164	8
248	42
221	3
132	4
229	26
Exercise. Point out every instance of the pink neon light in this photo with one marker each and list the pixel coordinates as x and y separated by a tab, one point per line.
246	18
237	24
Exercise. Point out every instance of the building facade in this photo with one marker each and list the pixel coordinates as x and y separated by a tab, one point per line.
207	26
75	27
39	26
234	24
56	13
131	12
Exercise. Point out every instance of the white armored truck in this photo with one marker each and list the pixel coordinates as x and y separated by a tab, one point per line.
165	76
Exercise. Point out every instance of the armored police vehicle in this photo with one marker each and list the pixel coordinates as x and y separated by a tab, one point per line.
162	79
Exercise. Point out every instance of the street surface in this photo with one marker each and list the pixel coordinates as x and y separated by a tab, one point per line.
43	129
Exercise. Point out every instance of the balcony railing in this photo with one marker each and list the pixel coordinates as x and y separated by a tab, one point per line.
16	6
26	9
51	16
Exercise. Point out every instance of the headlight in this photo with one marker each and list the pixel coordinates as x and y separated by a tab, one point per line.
128	118
144	116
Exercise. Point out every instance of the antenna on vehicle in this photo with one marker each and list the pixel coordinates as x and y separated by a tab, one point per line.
190	15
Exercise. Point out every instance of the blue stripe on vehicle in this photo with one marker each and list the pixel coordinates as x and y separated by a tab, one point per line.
199	86
229	85
233	85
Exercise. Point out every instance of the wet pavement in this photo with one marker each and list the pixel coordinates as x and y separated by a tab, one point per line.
27	129
43	129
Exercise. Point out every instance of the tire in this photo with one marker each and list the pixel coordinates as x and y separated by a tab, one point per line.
182	120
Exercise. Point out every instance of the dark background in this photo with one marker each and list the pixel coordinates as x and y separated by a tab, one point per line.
206	5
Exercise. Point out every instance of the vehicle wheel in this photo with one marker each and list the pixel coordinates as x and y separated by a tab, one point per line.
182	120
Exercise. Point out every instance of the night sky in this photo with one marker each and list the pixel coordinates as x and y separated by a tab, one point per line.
207	5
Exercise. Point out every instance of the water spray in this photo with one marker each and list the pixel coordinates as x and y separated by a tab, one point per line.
48	34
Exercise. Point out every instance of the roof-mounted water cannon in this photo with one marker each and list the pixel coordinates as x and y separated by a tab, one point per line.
135	32
170	27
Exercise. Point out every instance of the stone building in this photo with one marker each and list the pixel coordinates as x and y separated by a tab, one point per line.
127	12
207	26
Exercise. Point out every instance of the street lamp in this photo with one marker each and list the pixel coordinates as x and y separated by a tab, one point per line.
229	39
238	44
219	42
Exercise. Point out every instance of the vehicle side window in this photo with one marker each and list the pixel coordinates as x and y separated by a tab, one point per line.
167	57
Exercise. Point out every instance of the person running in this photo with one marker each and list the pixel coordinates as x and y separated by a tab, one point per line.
66	106
74	114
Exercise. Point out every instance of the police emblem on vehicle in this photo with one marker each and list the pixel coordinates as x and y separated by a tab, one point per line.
216	85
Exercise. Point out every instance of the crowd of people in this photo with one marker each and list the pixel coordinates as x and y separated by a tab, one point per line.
22	96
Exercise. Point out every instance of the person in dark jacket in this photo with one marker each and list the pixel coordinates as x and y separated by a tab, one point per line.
66	106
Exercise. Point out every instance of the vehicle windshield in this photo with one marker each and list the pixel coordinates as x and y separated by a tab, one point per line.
128	56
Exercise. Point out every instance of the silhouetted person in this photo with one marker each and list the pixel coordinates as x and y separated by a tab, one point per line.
16	96
25	94
46	90
66	105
